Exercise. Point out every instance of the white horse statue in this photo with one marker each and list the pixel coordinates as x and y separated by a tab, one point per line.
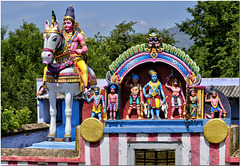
60	76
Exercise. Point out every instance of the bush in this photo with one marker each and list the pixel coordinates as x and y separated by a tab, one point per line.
13	119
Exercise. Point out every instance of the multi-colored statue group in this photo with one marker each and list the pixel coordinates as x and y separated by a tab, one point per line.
155	100
69	51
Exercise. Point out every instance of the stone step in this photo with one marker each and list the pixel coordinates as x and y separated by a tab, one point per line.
54	145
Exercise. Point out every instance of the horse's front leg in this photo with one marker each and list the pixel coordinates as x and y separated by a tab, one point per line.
53	112
68	114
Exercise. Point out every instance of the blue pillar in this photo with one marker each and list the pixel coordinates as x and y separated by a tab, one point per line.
74	120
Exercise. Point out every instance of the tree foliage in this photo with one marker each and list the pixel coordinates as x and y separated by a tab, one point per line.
13	119
103	50
21	64
215	31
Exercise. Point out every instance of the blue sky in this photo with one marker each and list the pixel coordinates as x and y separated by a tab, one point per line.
98	16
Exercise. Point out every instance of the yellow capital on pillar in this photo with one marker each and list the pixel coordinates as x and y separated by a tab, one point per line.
215	130
92	130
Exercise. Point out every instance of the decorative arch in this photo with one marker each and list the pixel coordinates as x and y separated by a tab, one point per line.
169	55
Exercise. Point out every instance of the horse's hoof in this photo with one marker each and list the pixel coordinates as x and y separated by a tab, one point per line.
67	139
50	138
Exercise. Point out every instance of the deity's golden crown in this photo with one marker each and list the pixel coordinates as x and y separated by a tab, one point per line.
69	14
152	72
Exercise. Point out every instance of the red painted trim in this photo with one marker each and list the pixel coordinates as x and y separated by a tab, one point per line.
52	163
39	79
213	154
40	159
73	164
113	149
195	148
227	146
131	137
82	150
95	158
175	137
32	163
12	163
152	137
228	159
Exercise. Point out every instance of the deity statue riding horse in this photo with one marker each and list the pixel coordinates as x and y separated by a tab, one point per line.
66	71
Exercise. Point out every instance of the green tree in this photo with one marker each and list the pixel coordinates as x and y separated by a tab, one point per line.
14	119
215	31
21	64
103	50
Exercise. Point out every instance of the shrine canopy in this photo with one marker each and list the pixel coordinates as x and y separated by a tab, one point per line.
168	54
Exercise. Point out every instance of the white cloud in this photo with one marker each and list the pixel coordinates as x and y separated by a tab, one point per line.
143	23
102	25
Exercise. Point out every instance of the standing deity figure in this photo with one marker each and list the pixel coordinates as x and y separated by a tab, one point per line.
74	39
154	94
215	102
98	99
112	102
176	99
136	96
194	104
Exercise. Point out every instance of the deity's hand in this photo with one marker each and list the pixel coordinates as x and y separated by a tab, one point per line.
184	103
104	111
108	108
147	95
79	51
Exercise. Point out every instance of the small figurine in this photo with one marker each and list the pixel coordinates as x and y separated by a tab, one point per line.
176	99
154	45
215	102
146	110
194	104
154	95
112	102
136	96
97	98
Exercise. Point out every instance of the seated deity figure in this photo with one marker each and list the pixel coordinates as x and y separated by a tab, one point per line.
98	99
136	98
155	94
176	99
74	39
215	103
194	104
112	102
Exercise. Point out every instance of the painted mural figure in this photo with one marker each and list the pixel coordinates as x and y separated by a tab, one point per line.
194	104
154	95
74	38
136	98
176	99
112	102
98	103
215	103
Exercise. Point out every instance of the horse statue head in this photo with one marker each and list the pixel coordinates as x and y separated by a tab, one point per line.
52	40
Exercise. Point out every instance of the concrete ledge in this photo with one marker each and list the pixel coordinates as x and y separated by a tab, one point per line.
27	128
26	136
